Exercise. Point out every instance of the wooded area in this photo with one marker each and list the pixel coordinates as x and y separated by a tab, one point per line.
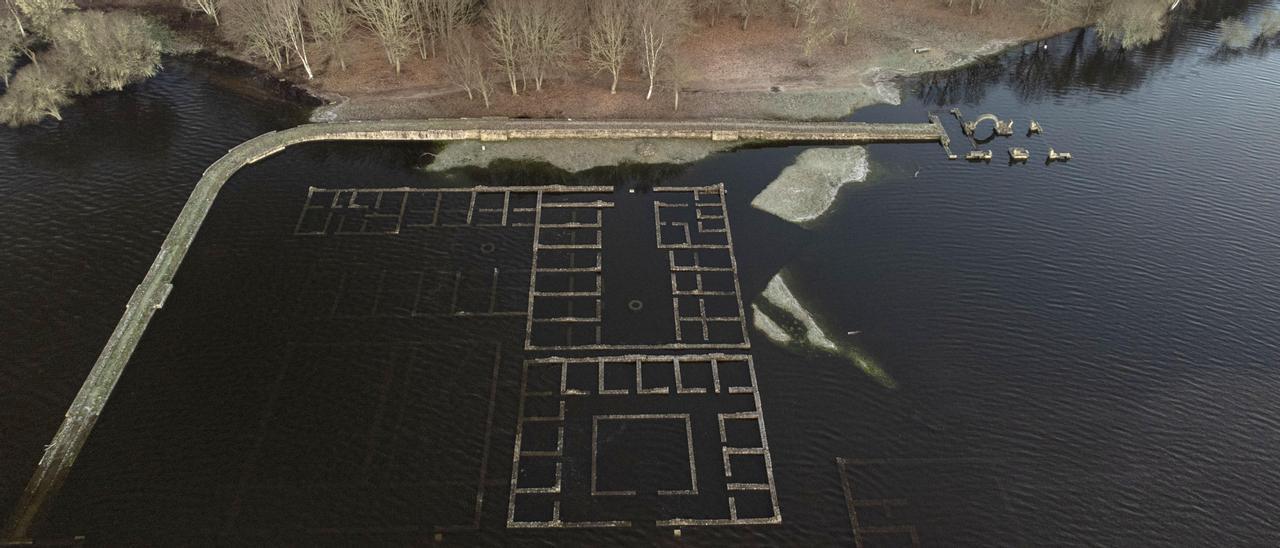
521	46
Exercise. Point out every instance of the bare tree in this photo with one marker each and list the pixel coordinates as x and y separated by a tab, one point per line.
391	21
1132	23
286	22
1053	12
330	23
710	8
438	19
676	76
99	51
12	44
207	7
609	39
12	7
249	23
844	18
659	27
466	64
816	26
544	36
42	13
87	52
35	93
747	8
800	9
501	36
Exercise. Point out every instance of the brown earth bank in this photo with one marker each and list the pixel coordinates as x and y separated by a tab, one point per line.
758	73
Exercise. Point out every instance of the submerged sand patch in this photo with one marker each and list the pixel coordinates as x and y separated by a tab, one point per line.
781	317
805	190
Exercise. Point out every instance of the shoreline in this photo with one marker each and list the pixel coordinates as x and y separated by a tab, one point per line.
877	85
760	74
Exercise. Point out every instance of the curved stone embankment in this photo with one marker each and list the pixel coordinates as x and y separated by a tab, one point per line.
150	295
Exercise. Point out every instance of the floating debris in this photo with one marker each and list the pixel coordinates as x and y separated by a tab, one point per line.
1055	156
1019	154
978	155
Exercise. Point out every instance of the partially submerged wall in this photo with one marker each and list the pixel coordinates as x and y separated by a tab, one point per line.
150	295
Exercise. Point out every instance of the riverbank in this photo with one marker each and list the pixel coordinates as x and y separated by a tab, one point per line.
760	73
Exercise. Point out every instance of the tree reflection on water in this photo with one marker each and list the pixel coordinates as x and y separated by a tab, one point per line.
1080	60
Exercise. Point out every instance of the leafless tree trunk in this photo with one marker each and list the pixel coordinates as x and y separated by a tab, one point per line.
817	27
286	18
12	43
746	8
17	17
250	24
800	9
659	27
441	18
390	21
41	14
710	8
502	41
846	16
544	36
466	64
207	7
330	23
609	40
676	75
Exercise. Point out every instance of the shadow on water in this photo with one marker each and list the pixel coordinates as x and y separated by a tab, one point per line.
100	132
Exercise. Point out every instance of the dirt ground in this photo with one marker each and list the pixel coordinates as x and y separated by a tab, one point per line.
758	73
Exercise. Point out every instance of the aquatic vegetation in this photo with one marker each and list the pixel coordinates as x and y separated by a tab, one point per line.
784	320
805	190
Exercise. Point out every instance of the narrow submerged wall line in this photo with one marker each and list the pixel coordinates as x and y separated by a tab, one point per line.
150	295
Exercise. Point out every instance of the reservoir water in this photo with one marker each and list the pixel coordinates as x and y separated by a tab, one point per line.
1081	353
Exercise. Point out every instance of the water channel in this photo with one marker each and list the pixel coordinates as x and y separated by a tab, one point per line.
1080	353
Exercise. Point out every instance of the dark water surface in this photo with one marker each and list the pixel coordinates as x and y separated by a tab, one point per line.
1084	353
